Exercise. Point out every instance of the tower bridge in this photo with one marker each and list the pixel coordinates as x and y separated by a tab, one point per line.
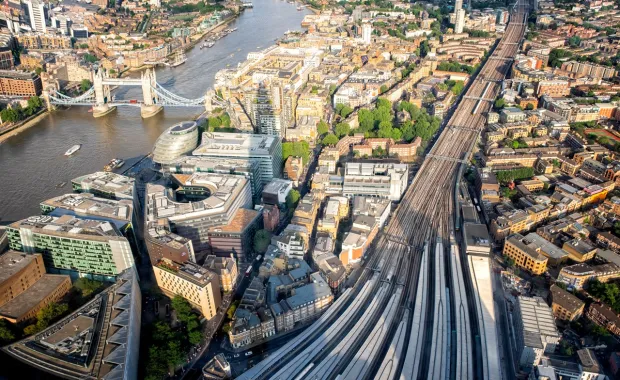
154	96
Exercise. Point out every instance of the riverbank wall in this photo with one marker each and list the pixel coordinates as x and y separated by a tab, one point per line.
23	125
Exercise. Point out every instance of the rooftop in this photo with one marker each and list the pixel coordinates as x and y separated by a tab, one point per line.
106	182
239	222
537	319
12	262
235	144
69	226
565	299
99	340
31	297
189	271
11	74
307	294
223	189
90	205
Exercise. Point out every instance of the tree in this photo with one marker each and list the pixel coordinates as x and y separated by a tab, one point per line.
85	85
345	111
296	149
230	313
292	198
262	239
574	41
38	70
322	128
500	103
566	349
7	332
87	286
384	103
529	106
45	316
383	89
187	316
424	48
90	58
330	139
342	129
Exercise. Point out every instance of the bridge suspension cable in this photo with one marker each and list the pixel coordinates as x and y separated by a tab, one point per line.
172	99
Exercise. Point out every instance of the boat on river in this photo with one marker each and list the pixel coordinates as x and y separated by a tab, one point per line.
114	163
73	149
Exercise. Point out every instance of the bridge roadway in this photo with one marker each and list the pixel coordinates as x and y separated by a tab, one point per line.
385	326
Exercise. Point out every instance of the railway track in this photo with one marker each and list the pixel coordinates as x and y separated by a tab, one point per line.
397	321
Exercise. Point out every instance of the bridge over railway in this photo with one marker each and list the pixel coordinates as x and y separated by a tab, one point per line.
154	96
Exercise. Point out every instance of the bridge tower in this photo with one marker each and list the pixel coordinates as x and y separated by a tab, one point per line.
102	95
150	106
209	96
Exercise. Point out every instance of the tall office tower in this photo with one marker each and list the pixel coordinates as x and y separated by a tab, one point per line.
459	24
366	33
458	4
36	10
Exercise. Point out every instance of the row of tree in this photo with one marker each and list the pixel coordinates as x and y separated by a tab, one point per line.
18	113
169	347
296	149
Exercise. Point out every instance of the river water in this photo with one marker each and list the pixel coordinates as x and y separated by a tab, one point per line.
32	163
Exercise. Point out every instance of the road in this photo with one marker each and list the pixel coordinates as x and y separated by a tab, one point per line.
402	305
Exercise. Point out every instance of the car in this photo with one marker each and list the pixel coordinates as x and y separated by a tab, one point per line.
236	355
249	353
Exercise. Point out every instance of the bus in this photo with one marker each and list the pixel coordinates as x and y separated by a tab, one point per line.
248	272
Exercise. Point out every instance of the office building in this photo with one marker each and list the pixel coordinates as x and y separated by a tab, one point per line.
89	206
235	238
100	340
226	270
201	203
459	23
79	32
306	212
578	275
14	83
605	317
194	164
554	254
375	180
37	14
534	330
276	191
105	185
367	33
290	243
77	247
25	288
524	254
565	306
271	217
266	150
309	301
579	250
199	286
176	141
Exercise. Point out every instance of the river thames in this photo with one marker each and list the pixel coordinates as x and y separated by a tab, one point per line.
32	163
